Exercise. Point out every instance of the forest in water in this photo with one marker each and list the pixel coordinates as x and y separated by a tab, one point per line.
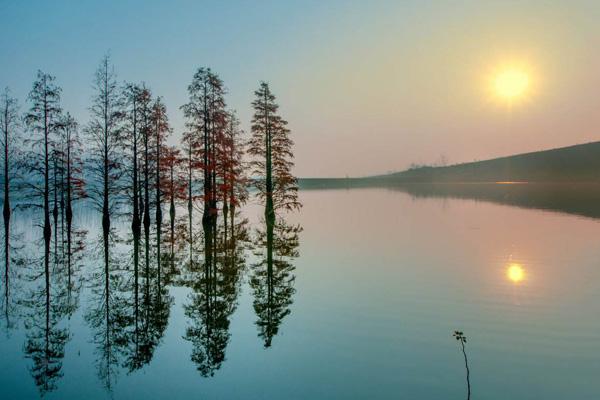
116	206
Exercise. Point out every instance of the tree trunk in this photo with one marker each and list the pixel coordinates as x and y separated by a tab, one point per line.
6	206
269	207
135	223
47	228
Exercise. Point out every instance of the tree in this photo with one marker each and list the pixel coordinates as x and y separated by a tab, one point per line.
271	149
9	122
104	131
72	186
205	114
161	129
74	182
146	132
173	185
131	137
233	183
43	119
68	182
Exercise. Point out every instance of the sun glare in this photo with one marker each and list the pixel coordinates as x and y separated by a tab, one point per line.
511	83
515	272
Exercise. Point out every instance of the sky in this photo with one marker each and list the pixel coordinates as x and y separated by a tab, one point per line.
367	86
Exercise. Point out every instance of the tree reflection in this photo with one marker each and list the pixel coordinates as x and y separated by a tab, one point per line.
107	317
272	275
53	297
46	336
150	304
215	290
13	262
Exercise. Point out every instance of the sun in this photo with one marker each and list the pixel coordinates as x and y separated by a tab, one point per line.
515	272
511	83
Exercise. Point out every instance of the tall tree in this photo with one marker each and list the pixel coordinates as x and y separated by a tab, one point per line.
145	100
271	148
205	114
43	119
192	165
9	122
161	129
174	186
74	187
146	131
104	130
233	181
132	95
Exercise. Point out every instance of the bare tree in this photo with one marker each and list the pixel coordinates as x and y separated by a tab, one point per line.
43	119
104	131
131	138
9	122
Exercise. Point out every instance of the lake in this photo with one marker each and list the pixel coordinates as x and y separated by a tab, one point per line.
354	297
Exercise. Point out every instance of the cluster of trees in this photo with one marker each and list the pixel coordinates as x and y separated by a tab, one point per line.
125	164
125	156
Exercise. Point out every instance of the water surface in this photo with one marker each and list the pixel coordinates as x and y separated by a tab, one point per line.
360	301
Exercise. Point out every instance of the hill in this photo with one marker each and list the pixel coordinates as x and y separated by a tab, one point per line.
579	163
566	180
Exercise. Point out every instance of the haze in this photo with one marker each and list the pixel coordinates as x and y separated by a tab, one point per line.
367	87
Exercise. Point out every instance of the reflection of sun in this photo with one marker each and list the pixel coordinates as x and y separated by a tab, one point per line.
515	272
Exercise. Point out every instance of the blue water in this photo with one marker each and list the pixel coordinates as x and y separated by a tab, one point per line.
368	299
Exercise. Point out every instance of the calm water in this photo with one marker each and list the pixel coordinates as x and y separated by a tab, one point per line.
366	288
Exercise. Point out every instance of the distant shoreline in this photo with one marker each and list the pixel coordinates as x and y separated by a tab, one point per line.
578	164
